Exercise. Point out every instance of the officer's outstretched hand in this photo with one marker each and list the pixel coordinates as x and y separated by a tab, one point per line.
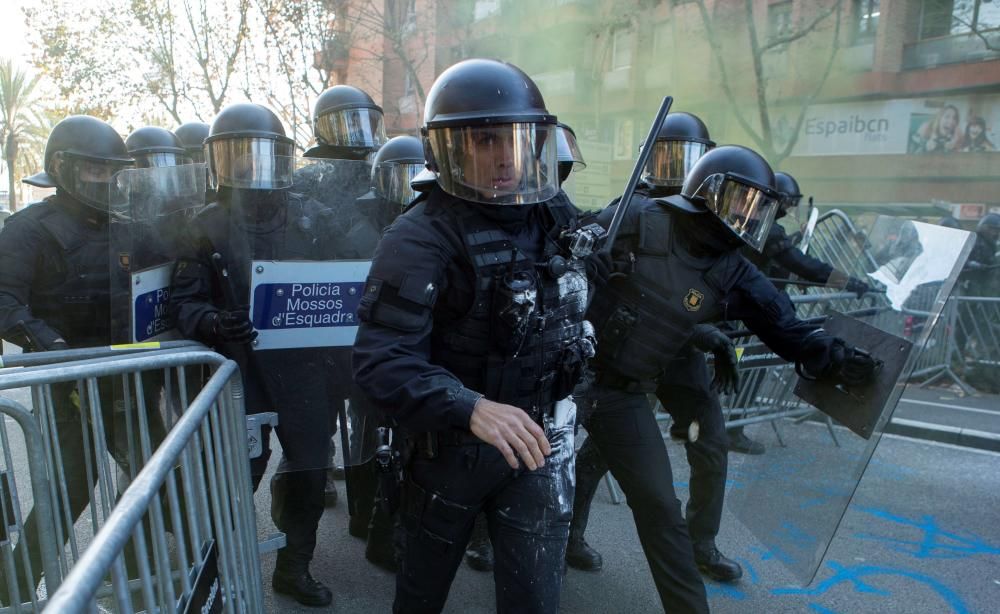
708	338
857	286
235	326
851	365
510	430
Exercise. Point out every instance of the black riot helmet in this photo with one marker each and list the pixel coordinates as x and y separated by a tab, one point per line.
568	152
192	136
789	192
153	146
736	186
680	142
949	222
346	117
247	149
82	156
394	167
488	135
989	226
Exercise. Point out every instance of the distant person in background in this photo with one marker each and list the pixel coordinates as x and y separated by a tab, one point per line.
939	135
975	136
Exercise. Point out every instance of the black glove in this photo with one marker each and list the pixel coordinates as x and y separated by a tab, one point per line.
600	267
850	365
857	286
708	338
231	326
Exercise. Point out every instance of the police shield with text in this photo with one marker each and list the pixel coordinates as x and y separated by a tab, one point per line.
676	266
245	285
348	128
472	339
55	294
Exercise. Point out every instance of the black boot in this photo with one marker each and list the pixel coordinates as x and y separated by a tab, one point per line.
479	551
579	555
381	552
301	587
330	494
738	442
715	565
357	526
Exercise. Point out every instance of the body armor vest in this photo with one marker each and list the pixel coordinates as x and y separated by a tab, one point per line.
645	318
73	292
516	343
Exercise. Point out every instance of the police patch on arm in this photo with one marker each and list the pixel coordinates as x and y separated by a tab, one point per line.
405	306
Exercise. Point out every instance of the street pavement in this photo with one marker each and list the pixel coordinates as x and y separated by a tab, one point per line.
922	535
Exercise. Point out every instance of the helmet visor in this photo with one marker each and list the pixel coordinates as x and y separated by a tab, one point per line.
748	210
351	128
91	180
251	163
569	150
197	154
148	193
502	164
156	160
391	181
670	162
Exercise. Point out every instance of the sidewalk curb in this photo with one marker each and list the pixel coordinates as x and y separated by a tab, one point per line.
969	438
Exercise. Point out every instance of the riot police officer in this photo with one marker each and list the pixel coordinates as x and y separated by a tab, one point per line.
55	291
250	161
393	168
348	127
152	146
479	554
192	136
472	338
780	257
676	265
684	390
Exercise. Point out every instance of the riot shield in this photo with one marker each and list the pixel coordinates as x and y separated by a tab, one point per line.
156	207
148	220
793	497
306	270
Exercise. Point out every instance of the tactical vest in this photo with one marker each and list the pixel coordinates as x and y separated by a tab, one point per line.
645	317
514	342
72	293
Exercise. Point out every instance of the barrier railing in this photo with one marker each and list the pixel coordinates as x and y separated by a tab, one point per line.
192	538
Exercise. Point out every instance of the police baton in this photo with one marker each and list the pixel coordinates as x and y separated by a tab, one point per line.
633	181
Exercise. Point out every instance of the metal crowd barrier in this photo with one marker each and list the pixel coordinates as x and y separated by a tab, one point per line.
964	345
171	517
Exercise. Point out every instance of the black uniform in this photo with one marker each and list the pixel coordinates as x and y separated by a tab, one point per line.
780	257
279	227
56	286
643	319
439	331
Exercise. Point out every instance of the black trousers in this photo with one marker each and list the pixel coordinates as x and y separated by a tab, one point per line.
528	513
72	414
686	395
623	436
297	492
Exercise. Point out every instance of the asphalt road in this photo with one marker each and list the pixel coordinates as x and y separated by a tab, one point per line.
922	535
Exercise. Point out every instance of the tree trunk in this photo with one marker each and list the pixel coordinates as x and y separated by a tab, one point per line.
11	184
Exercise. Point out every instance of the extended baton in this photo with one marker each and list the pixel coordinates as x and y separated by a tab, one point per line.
633	181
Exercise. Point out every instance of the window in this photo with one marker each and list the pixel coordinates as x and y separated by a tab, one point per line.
946	17
485	8
779	19
621	49
866	14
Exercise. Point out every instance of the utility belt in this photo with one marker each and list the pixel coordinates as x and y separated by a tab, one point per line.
611	379
427	445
